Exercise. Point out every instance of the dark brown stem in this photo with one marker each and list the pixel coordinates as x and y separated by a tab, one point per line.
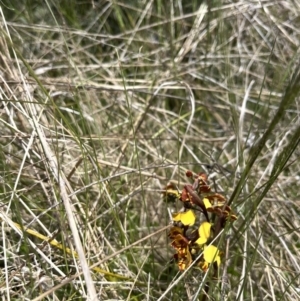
195	199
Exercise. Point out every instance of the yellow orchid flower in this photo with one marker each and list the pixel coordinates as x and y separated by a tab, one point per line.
186	218
207	203
204	233
211	254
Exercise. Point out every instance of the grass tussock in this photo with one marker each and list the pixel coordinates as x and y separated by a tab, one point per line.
103	103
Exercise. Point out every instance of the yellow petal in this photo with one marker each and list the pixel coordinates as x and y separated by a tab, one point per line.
204	229
186	218
211	254
204	233
201	241
207	203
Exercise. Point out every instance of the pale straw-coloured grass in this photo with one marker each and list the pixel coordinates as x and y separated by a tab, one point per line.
105	103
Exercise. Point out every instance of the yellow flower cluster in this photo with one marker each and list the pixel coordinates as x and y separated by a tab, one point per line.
195	244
